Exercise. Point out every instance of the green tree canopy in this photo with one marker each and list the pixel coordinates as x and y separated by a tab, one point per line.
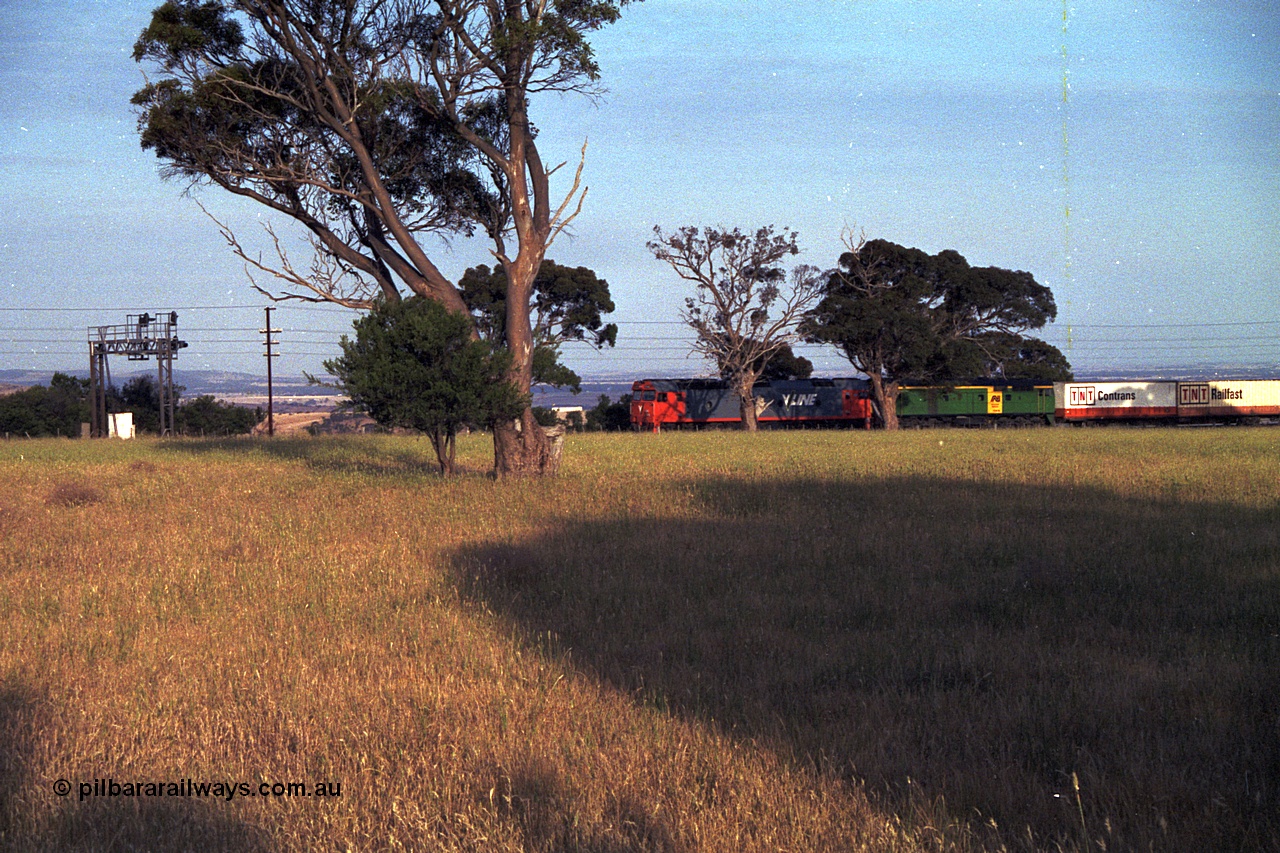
1001	354
56	410
414	364
569	304
899	313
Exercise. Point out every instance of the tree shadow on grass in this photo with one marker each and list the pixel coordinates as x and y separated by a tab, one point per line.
538	800
1090	667
405	457
35	814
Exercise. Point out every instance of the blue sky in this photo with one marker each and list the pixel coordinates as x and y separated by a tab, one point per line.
1148	200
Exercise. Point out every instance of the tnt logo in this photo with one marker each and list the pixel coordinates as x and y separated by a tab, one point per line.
1081	395
1193	394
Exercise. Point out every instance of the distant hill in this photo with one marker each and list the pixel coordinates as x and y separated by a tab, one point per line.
219	383
24	378
1188	373
590	395
229	384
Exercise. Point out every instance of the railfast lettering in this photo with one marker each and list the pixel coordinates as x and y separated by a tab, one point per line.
1226	393
799	400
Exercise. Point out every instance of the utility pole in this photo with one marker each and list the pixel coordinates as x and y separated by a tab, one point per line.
268	331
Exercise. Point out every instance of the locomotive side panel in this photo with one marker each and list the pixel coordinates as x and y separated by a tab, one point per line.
1028	401
711	404
799	400
962	401
915	402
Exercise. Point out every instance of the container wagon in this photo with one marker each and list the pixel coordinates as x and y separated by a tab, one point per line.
1213	401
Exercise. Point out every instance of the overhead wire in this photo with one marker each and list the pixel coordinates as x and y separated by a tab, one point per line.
1183	341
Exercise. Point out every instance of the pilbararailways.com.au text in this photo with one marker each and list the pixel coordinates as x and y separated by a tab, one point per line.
225	790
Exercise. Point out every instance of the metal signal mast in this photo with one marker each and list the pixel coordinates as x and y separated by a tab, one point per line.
143	336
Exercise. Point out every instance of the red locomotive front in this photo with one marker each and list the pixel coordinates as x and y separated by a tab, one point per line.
652	406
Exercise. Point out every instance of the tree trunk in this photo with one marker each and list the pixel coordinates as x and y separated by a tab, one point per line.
522	448
445	444
886	398
747	404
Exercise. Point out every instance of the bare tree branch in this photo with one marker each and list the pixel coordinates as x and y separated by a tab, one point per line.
743	311
327	279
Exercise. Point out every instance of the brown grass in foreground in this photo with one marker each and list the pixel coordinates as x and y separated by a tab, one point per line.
1043	640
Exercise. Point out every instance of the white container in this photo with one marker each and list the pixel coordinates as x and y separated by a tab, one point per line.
1226	398
1085	401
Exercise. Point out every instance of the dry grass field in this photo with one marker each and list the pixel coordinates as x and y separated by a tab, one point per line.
806	641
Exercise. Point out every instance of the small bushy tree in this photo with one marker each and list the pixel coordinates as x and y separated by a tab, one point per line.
414	364
206	415
608	416
141	395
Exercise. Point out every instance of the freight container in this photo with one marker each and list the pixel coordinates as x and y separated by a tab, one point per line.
1088	401
1228	399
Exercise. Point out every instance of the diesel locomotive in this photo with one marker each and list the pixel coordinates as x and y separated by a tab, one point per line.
658	403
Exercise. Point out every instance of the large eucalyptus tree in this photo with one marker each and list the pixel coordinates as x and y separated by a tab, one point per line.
377	125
